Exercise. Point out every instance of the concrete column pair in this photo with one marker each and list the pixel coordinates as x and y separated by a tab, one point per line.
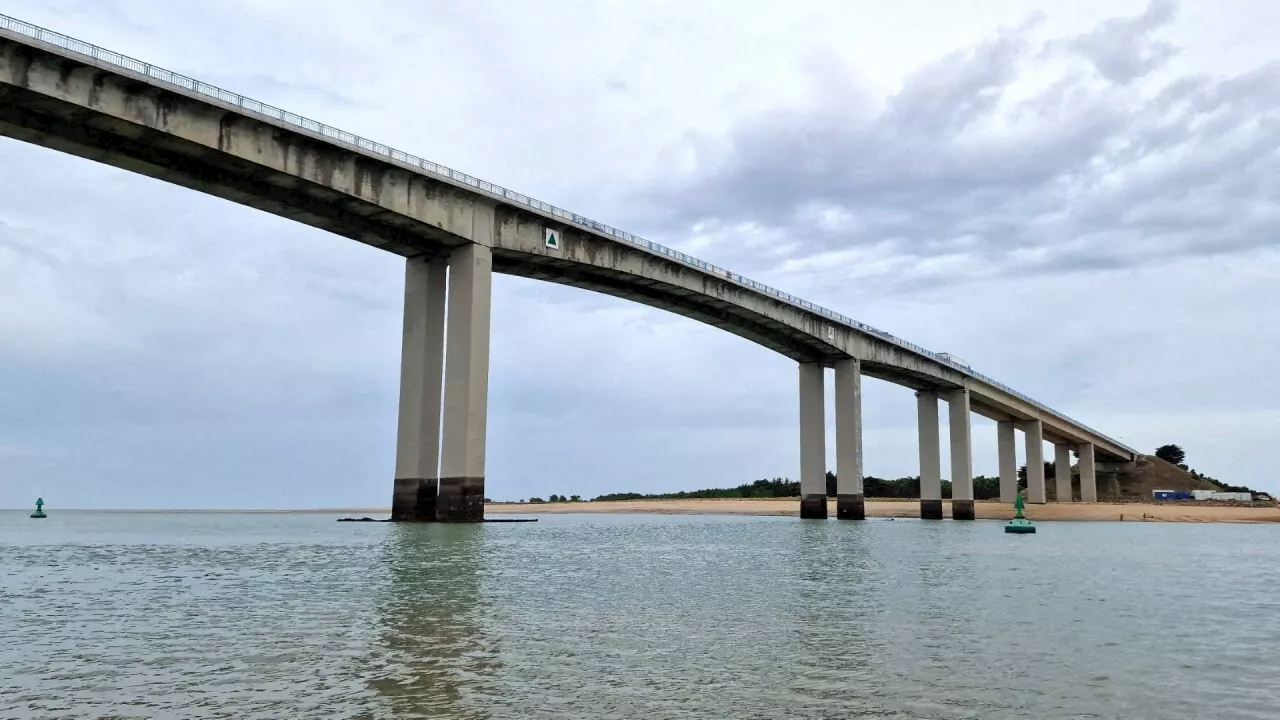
931	458
440	456
813	453
1034	432
1088	472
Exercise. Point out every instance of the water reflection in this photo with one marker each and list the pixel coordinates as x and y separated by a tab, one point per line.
833	608
436	657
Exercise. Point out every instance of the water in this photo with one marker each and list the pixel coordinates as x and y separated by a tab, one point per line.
112	615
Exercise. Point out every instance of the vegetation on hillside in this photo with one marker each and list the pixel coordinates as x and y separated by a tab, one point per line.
984	488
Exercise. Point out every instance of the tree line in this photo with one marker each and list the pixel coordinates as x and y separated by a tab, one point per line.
984	488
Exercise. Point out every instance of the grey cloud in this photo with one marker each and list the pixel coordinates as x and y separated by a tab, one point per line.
1081	173
1122	49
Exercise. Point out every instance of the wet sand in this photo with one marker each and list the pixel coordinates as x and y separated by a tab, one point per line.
1137	512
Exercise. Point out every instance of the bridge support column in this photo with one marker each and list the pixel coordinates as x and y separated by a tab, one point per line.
1008	461
1088	473
1034	433
466	391
813	446
850	504
930	456
961	454
421	364
1062	472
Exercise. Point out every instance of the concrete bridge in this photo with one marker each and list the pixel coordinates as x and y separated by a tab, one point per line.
70	96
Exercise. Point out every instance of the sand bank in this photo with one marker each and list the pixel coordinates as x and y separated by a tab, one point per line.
1137	512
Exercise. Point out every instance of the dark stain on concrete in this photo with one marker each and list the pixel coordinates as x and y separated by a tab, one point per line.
97	83
21	59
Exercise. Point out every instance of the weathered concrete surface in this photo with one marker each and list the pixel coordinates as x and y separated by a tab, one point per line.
54	98
961	451
1088	475
466	387
421	368
930	455
461	499
1062	472
813	446
1034	435
848	378
962	510
1008	461
851	507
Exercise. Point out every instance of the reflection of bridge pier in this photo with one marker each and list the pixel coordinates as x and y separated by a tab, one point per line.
432	640
64	94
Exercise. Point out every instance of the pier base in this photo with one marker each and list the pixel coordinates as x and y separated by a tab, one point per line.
931	509
851	507
460	500
813	507
962	510
414	500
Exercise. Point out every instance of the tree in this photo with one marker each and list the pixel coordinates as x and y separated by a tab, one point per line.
575	498
536	500
1171	454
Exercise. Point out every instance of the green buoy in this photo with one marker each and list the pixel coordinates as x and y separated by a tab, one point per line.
39	513
1019	524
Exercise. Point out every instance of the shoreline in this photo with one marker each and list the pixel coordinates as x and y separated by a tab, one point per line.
790	507
887	508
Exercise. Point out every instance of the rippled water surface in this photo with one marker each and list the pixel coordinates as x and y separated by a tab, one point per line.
295	616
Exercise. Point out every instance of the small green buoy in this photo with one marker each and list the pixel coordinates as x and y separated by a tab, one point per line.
39	513
1019	525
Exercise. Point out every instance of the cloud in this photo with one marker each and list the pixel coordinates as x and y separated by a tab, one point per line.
1017	156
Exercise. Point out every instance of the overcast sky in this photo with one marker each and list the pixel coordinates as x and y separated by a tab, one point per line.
1081	200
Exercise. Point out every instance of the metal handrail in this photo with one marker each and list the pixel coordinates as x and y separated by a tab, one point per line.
259	108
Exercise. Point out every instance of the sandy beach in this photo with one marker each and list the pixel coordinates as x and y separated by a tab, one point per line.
1136	512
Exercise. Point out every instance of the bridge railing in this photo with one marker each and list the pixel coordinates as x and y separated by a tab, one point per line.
260	108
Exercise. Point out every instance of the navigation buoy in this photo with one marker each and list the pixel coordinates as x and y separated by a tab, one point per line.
39	513
1019	524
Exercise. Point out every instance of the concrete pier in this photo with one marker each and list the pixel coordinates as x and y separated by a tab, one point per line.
1034	433
466	391
850	504
421	365
961	454
1088	473
1008	461
930	456
813	443
1062	472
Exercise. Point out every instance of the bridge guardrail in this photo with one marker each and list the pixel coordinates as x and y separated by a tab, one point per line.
253	106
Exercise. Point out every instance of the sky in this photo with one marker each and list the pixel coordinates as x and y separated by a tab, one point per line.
1077	198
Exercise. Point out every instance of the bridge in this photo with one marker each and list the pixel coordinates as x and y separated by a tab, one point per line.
68	95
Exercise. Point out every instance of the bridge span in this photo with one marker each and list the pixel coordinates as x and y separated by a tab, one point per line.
68	95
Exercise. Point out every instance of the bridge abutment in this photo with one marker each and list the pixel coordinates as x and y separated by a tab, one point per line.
930	455
421	363
961	454
849	501
1034	435
813	449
